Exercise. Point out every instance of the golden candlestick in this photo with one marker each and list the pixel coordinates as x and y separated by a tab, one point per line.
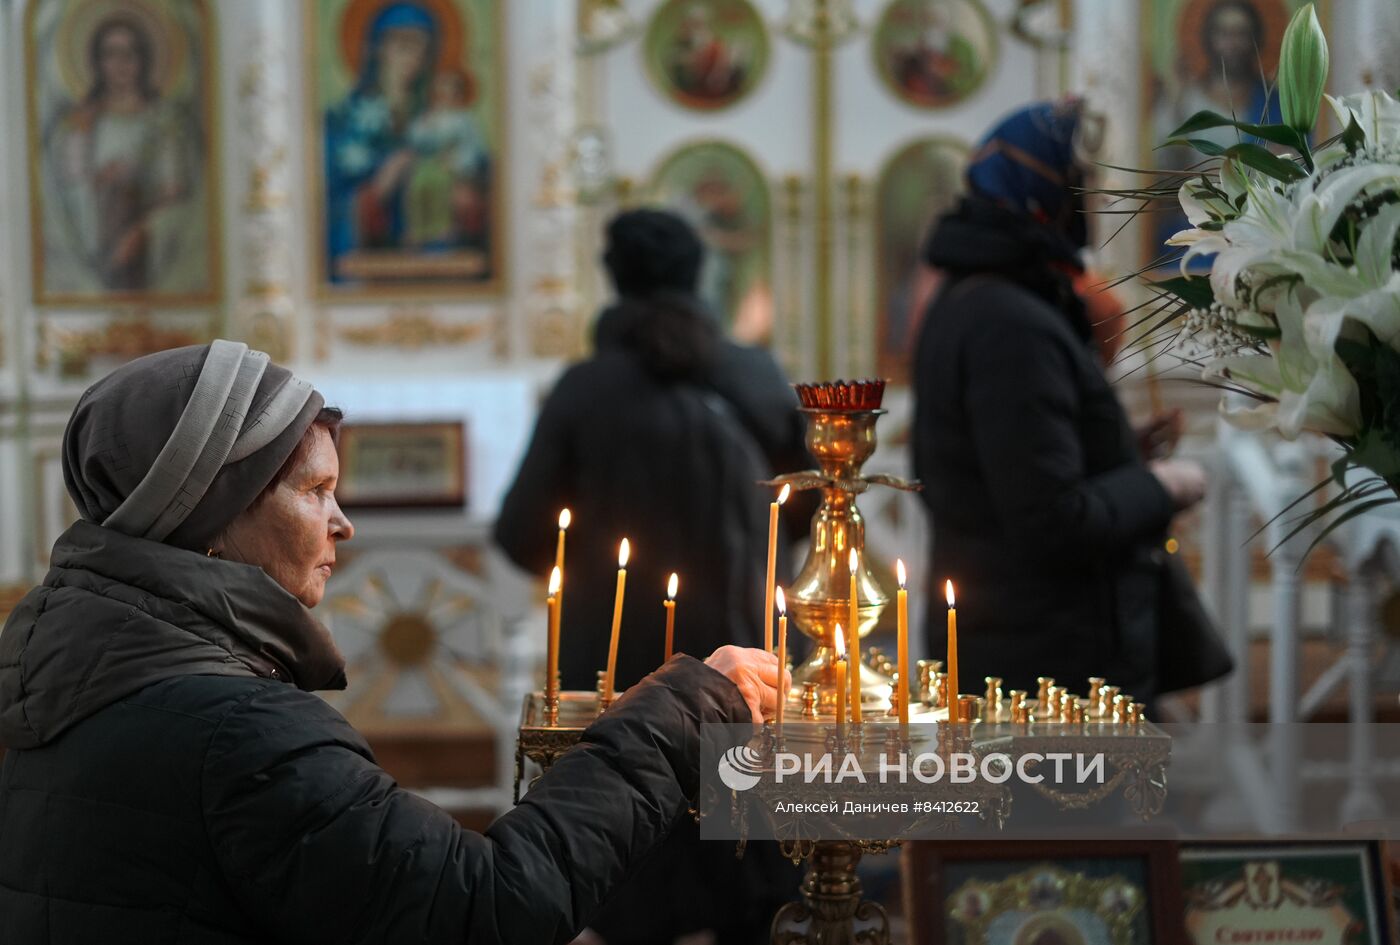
841	421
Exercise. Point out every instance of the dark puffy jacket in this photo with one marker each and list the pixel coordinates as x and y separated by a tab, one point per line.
169	781
673	466
1044	516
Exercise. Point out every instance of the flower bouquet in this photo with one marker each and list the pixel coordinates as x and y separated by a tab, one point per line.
1300	310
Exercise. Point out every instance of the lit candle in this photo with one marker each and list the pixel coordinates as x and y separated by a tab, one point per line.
902	643
610	678
782	652
772	566
840	684
952	655
671	587
551	679
853	629
565	517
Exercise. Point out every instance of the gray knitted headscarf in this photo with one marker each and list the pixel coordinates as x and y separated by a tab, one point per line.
174	445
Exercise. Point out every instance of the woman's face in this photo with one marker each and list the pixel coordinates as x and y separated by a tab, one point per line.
119	59
292	533
402	54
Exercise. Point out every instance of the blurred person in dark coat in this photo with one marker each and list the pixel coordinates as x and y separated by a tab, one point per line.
661	437
1048	512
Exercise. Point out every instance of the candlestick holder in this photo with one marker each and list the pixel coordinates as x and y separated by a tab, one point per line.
841	419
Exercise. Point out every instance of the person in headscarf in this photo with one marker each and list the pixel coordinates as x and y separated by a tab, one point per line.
1047	515
662	437
169	775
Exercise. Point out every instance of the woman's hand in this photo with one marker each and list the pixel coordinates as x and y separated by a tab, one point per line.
1184	480
1157	438
755	672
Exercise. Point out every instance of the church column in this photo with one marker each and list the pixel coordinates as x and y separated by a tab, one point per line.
262	308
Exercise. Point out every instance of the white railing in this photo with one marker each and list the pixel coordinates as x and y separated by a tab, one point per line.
1253	480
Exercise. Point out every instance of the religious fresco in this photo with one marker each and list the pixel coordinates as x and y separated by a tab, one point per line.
121	152
935	53
922	180
1220	55
725	196
409	145
706	54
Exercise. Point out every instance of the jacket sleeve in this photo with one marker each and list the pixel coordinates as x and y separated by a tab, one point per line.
528	521
318	843
1023	409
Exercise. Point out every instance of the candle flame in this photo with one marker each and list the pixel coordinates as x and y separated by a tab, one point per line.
784	493
948	592
899	571
672	586
854	560
556	580
565	517
624	551
840	642
780	599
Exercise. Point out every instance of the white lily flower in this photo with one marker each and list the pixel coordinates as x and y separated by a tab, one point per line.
1377	114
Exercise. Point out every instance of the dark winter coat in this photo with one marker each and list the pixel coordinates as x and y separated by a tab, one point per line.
1044	516
672	465
170	781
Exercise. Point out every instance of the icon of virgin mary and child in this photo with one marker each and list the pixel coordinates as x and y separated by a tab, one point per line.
407	164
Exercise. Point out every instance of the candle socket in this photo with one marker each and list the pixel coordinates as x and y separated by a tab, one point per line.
895	744
1120	708
970	708
1068	705
1042	698
940	691
1020	708
993	696
927	669
897	696
1137	713
605	698
838	740
809	702
1095	706
551	708
1108	696
1055	703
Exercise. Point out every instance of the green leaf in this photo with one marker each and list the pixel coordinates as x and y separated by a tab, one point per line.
1193	290
1265	161
1302	71
1374	453
1276	134
1200	145
1353	137
1201	121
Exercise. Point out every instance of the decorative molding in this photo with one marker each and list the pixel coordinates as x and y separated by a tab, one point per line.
125	337
413	328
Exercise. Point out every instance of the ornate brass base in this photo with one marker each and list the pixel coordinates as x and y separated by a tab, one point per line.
832	911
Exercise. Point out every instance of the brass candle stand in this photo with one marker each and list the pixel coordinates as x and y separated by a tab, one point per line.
841	419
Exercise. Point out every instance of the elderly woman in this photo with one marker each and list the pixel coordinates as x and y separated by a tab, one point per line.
170	775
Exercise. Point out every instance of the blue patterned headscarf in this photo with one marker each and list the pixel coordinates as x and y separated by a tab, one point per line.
1026	163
